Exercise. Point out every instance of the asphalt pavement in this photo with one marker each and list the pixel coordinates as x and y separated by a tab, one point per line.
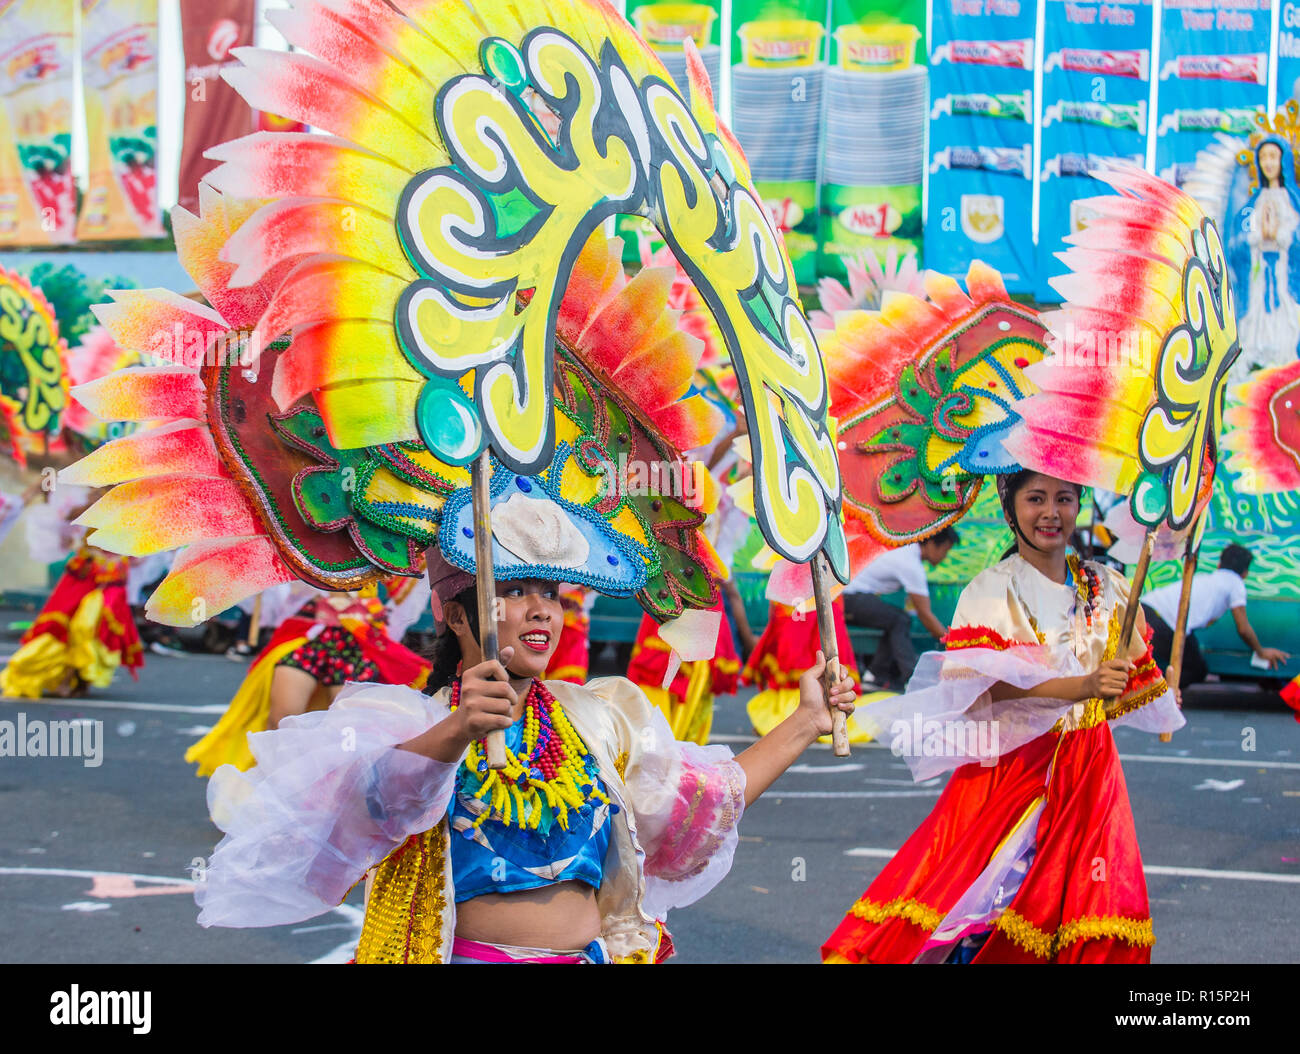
97	862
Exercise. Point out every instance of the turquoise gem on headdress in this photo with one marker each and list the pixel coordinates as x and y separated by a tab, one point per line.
448	422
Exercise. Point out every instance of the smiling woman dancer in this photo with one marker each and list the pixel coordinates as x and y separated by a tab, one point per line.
600	822
1030	854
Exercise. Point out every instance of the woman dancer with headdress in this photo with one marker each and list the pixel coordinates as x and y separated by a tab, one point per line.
600	822
85	631
431	379
1030	854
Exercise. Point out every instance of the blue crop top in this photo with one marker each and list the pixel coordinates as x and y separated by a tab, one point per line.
498	858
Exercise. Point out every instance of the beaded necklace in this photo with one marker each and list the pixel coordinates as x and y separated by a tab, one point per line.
557	773
1087	585
1087	590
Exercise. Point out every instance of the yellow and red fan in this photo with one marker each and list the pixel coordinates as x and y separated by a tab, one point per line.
1132	396
418	296
1263	444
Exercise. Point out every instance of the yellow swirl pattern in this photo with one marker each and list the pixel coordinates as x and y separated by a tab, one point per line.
1190	378
545	147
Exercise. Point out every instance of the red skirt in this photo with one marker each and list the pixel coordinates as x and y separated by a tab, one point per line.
789	646
1084	897
650	655
84	632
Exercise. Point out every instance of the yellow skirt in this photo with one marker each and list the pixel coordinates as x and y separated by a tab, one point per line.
45	662
227	743
769	708
691	719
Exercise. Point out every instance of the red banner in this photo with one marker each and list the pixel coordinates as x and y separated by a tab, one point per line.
214	112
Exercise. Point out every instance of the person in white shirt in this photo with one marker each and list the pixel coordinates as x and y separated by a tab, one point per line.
1212	595
897	570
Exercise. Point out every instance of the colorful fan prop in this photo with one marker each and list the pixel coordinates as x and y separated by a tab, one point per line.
1132	396
11	445
415	276
474	149
924	392
261	495
96	356
1263	444
33	357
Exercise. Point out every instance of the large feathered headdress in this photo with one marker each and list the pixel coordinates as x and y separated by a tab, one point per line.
425	279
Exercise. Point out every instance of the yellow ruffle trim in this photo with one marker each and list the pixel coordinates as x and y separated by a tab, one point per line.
1021	931
912	911
403	921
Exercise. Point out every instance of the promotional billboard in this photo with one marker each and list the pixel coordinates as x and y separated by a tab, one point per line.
981	163
119	63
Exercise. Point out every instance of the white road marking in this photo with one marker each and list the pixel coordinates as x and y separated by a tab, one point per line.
63	872
1150	869
853	794
906	783
820	769
1219	785
344	952
196	730
87	905
115	704
1231	762
1160	758
1204	872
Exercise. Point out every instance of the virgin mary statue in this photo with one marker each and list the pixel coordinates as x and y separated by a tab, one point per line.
1264	255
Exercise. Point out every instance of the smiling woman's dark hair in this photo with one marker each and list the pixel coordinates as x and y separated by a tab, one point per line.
1008	488
445	652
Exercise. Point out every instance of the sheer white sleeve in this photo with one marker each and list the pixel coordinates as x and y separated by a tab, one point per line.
328	798
687	800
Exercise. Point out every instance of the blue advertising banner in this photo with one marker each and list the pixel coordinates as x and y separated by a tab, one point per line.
1095	102
1213	76
1288	52
981	138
